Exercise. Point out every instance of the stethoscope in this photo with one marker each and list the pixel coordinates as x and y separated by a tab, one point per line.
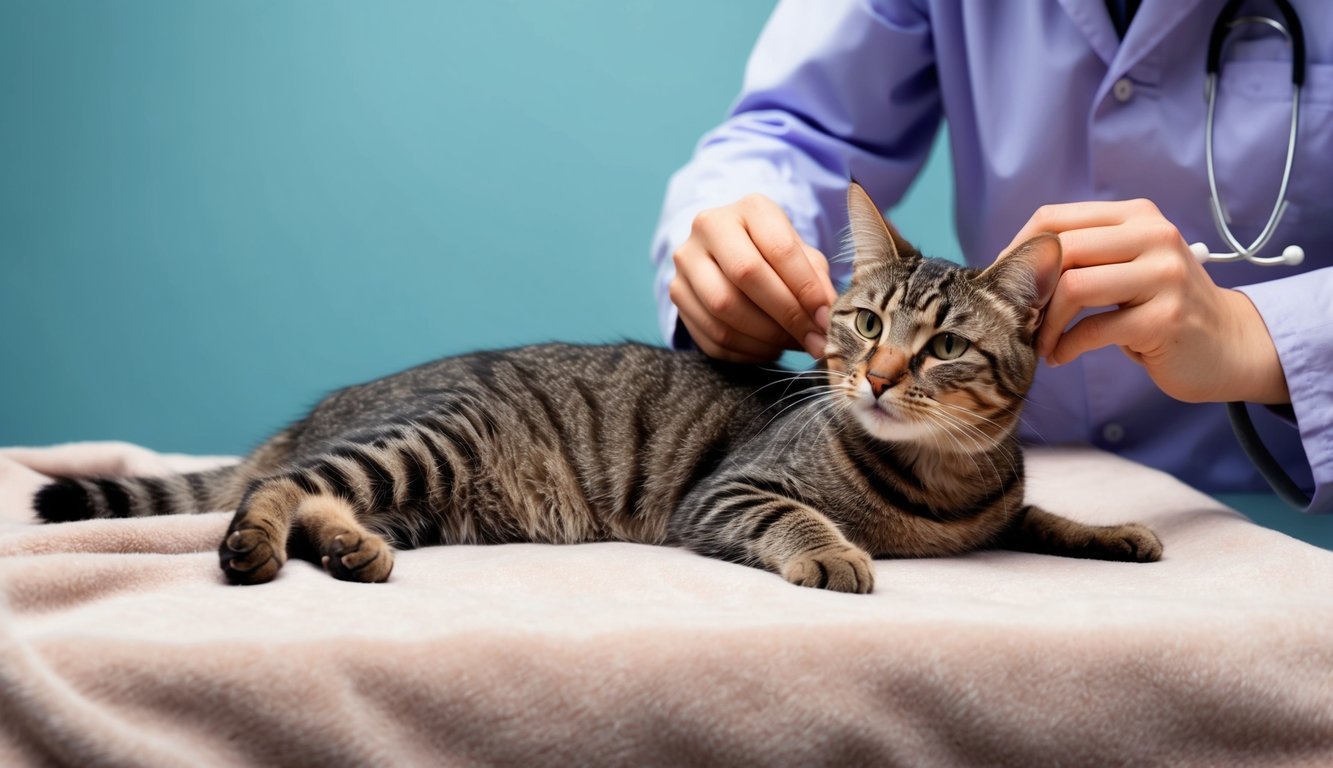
1295	38
1263	460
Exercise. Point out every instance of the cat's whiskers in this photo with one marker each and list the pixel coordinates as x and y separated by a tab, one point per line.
818	411
974	414
801	396
977	440
946	422
1008	457
807	398
946	432
797	376
1025	405
810	372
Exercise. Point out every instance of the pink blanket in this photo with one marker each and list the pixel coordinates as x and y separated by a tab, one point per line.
120	644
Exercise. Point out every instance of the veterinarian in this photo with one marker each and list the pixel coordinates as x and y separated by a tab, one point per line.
1087	118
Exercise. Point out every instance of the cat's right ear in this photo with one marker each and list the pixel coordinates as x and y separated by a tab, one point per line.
1027	275
873	239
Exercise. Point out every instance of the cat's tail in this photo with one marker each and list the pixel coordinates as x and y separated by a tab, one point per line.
84	498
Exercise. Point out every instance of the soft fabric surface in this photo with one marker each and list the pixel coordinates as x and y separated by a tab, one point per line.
121	644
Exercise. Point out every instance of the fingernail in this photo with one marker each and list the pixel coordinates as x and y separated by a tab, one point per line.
814	344
821	318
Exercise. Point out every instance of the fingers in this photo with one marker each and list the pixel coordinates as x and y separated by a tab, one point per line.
1152	300
1127	328
765	258
747	285
819	339
1122	242
1158	269
1062	217
722	320
803	269
1098	286
1096	246
1114	254
1196	341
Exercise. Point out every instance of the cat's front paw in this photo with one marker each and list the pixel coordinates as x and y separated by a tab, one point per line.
356	556
1130	542
250	556
841	569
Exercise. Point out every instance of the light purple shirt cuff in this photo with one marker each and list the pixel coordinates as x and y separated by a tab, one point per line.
1298	311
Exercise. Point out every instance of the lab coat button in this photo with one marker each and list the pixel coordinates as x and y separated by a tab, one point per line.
1113	432
1123	90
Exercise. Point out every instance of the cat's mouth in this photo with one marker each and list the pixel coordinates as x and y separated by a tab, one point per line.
880	419
885	420
877	409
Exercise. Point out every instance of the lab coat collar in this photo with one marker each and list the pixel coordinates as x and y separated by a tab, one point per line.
1092	19
1154	20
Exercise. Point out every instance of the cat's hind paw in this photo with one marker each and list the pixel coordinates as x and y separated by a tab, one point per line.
841	569
250	556
356	556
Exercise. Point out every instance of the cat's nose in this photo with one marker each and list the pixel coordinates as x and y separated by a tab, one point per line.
887	367
879	382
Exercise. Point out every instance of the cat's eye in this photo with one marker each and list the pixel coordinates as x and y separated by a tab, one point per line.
868	324
947	346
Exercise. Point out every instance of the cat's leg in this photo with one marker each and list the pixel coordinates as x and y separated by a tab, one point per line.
345	548
1037	530
255	547
781	535
289	512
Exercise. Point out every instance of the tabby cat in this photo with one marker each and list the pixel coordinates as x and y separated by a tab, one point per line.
901	444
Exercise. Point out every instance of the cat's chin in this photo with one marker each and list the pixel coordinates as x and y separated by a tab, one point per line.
882	423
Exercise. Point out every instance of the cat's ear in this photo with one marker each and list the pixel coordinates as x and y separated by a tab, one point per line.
1027	274
873	239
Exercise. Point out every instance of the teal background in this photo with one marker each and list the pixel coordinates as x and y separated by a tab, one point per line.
211	213
215	212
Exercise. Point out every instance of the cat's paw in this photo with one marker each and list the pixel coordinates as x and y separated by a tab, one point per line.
250	555
1130	542
841	569
357	556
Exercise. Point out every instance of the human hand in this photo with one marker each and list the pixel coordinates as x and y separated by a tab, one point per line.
748	287
1199	342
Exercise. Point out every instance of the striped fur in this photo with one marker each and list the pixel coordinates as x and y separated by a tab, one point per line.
807	475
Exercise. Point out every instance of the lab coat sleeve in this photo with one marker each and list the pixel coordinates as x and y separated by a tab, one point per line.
834	89
1298	311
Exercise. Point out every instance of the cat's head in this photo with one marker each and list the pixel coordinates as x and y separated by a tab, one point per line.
930	352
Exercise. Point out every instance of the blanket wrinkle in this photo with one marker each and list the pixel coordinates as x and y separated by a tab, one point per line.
121	644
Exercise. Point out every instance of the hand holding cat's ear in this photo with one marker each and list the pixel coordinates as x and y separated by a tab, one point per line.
747	286
1199	342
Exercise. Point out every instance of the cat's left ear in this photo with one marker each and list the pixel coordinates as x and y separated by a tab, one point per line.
1027	275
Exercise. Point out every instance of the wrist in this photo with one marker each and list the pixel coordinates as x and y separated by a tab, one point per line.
1256	374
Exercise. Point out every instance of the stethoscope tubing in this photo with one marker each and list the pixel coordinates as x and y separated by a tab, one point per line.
1238	413
1294	36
